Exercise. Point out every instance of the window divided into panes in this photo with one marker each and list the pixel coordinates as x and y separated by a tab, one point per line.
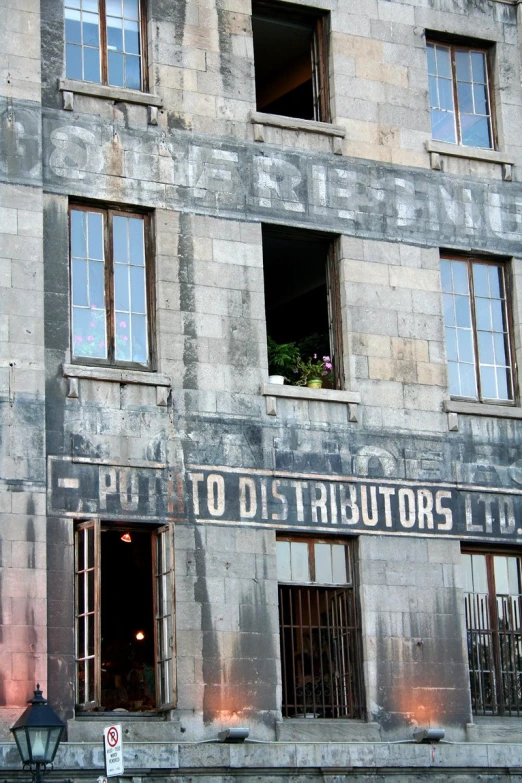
493	596
103	42
110	285
460	102
124	658
319	629
476	321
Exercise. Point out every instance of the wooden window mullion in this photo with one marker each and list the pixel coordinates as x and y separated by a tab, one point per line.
453	61
109	286
103	42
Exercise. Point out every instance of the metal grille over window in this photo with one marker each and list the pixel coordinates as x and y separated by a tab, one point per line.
477	330
318	630
102	42
492	585
459	95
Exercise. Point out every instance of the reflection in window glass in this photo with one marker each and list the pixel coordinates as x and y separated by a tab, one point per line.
476	329
89	338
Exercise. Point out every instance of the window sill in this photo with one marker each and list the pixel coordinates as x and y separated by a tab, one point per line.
437	148
109	93
454	407
75	372
261	120
327	729
271	391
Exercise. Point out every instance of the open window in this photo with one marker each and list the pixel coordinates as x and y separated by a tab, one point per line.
319	629
124	618
302	297
291	63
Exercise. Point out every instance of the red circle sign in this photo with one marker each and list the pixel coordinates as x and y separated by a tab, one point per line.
112	736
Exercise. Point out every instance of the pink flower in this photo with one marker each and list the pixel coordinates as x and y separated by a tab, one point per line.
92	324
123	324
78	339
90	338
101	344
125	338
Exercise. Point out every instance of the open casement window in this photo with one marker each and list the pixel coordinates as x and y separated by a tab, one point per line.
291	60
493	601
460	94
303	297
111	287
124	618
319	629
477	329
104	42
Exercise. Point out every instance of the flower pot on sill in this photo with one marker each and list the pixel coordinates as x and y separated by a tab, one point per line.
314	383
280	379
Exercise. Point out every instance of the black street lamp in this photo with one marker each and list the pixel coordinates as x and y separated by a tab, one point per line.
37	734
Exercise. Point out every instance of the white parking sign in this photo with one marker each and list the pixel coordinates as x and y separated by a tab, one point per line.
113	751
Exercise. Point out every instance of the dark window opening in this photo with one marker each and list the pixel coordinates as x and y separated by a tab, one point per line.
302	298
319	630
493	604
290	61
124	618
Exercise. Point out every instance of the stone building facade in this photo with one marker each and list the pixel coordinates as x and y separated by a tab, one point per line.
182	540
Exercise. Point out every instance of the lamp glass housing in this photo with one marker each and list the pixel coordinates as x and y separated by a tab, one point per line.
38	732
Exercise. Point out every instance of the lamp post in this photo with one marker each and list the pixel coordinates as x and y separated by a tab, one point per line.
37	734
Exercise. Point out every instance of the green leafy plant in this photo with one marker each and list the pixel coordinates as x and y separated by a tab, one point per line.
282	358
313	367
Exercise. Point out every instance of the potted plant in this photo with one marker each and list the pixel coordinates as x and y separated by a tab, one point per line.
314	371
282	360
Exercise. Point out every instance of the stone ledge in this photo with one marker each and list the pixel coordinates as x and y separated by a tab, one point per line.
115	375
108	93
304	393
472	153
294	123
482	409
302	730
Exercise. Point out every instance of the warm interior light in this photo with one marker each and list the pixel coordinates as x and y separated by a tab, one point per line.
126	537
140	636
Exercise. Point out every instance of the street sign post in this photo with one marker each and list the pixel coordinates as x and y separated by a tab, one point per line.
113	751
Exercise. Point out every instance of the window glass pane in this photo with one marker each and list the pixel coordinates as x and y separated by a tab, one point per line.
500	568
430	51
78	234
480	576
283	561
478	66
480	99
339	564
299	562
73	3
480	279
482	313
451	345
323	563
485	348
497	315
73	62
91	30
115	69
443	126
467	574
465	94
495	282
95	223
488	382
449	309
499	341
130	9
96	285
462	311
90	5
475	131
462	66
468	382
443	61
434	96
73	27
137	250
137	281
113	7
132	45
123	343
446	95
121	287
139	339
91	61
79	282
503	384
114	33
89	333
465	345
513	575
460	277
119	238
445	274
132	72
454	378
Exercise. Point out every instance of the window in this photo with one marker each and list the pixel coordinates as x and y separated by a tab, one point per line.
103	42
476	322
493	594
110	286
302	295
460	99
124	618
319	629
291	63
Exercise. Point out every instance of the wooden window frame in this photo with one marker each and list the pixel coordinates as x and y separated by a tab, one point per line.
501	641
104	59
338	687
108	212
508	318
319	50
165	699
488	59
